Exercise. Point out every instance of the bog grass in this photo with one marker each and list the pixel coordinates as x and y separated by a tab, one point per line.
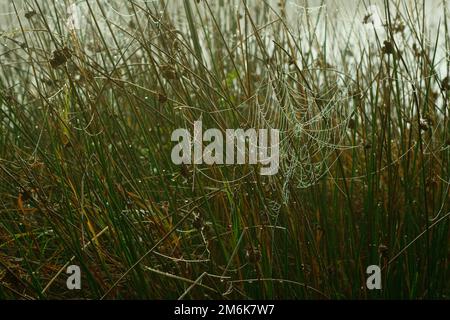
86	176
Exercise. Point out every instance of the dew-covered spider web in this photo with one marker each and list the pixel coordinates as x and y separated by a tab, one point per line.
312	121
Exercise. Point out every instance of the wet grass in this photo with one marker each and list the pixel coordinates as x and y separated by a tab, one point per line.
86	175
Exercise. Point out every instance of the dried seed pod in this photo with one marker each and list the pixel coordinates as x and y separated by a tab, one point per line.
162	98
168	72
445	84
388	47
30	14
60	57
351	124
424	124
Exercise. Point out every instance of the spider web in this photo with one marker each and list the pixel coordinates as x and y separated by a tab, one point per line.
312	122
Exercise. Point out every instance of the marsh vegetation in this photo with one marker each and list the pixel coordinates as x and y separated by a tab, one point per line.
91	91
